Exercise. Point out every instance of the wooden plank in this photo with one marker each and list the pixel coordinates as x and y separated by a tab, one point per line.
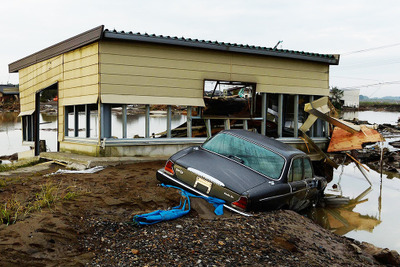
342	140
320	109
319	151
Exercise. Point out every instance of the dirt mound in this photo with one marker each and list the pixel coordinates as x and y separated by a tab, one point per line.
91	224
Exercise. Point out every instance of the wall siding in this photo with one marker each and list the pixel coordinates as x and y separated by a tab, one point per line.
150	70
77	74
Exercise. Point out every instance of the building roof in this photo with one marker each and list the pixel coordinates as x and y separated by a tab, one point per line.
9	89
99	33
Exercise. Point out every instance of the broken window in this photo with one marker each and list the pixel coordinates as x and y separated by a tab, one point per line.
227	98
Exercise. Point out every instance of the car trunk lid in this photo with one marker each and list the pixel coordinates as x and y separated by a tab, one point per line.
200	168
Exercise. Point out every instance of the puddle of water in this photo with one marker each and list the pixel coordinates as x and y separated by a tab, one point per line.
372	214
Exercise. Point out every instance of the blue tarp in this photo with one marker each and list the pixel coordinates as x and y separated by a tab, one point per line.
178	211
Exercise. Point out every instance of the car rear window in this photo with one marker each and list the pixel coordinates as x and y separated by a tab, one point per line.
254	156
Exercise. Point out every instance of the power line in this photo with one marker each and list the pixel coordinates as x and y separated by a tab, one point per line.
369	49
354	78
372	84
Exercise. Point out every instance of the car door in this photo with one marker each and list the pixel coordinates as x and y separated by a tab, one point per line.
297	183
312	188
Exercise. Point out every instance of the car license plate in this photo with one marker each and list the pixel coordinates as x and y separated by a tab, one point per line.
203	182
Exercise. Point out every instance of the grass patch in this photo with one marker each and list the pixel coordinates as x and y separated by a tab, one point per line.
10	211
13	210
47	196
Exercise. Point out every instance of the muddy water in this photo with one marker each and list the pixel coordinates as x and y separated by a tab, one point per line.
11	135
373	214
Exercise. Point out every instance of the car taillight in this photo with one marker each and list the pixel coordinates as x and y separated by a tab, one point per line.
169	167
241	202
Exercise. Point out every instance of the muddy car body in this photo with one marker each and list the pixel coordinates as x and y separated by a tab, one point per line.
248	170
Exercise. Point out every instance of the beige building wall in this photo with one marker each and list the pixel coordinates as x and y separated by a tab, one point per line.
140	73
77	75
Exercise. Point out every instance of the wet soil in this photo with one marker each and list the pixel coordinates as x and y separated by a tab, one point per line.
95	228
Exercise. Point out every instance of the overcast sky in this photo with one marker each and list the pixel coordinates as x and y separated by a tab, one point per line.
366	33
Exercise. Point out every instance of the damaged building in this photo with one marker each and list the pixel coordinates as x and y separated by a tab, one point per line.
103	79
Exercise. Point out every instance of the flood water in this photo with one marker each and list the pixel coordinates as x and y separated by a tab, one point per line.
372	215
11	135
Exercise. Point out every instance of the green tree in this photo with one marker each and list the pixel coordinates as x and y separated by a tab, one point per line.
335	97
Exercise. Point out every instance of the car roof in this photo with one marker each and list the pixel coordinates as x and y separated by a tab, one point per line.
275	145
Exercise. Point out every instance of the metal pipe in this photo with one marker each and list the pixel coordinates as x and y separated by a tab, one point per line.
280	115
264	109
296	116
189	121
87	118
124	122
169	115
147	122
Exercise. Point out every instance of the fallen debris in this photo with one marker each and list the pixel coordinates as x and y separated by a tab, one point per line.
182	209
342	140
91	170
320	109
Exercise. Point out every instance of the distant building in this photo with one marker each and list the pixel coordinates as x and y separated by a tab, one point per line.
8	92
351	98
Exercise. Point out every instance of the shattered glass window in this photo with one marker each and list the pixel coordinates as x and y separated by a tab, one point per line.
253	156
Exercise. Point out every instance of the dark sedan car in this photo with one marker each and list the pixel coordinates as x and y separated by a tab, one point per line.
247	170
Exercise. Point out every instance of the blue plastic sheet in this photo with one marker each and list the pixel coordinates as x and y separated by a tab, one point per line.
178	211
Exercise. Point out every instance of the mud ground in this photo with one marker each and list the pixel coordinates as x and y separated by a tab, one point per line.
94	228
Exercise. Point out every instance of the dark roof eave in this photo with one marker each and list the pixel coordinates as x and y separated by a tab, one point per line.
98	33
70	44
334	60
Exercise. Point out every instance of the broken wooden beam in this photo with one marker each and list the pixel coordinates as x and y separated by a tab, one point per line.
320	109
342	140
